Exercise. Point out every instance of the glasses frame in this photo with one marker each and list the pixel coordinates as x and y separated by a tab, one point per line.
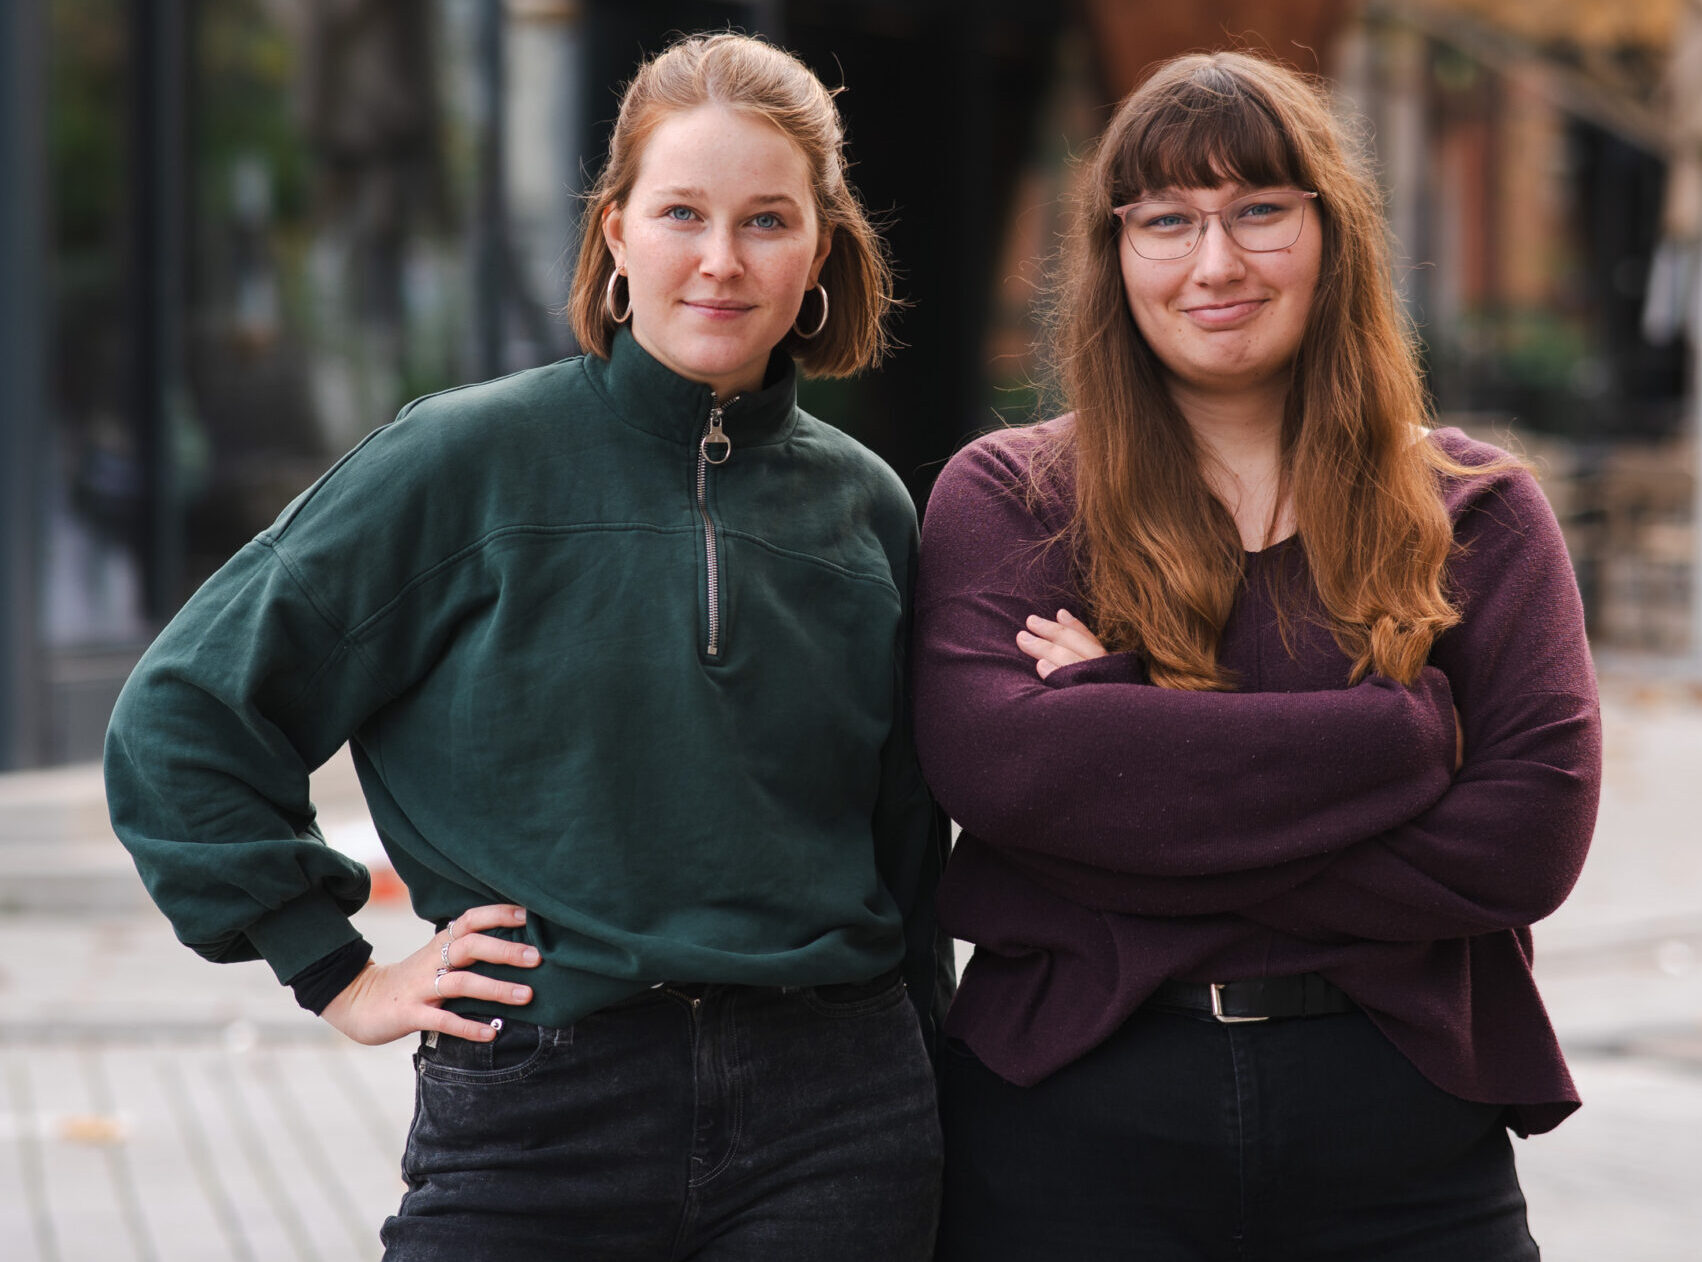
1120	213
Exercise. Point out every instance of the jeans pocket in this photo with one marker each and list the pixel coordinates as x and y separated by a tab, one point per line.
518	1049
854	999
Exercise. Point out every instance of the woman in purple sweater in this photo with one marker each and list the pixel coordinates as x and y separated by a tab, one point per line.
1269	720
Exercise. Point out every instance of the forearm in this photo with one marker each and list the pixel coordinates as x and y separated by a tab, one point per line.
1147	781
1500	851
1135	894
1503	848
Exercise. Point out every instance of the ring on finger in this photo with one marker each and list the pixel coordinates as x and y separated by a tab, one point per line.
437	981
444	952
452	929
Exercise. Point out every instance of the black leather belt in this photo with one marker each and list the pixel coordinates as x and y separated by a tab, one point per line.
834	992
1259	999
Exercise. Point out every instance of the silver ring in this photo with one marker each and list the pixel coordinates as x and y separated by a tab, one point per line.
444	952
452	929
438	979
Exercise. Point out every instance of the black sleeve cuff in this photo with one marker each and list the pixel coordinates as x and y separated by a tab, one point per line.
327	977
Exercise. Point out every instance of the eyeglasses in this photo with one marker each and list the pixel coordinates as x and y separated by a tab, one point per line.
1259	223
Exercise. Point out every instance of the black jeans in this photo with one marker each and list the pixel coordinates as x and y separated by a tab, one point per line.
1185	1140
722	1122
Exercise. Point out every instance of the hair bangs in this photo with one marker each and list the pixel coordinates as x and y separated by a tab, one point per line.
1211	128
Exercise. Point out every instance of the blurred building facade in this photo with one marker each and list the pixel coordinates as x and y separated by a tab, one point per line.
1531	155
238	235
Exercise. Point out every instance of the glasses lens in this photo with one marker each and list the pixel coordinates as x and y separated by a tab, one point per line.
1162	230
1170	230
1268	221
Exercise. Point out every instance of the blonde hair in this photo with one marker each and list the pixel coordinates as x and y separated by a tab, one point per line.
742	73
1161	557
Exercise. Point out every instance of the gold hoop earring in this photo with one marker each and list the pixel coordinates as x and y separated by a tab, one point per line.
820	324
609	300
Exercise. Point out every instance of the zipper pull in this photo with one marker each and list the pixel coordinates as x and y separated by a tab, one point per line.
715	439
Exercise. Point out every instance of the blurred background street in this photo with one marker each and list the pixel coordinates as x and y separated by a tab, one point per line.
237	236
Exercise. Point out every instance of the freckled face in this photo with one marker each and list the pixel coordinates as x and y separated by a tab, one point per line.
719	242
1223	319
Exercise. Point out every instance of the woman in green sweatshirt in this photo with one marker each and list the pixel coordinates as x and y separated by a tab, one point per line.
618	645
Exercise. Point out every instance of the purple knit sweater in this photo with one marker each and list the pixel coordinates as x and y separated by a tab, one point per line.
1116	834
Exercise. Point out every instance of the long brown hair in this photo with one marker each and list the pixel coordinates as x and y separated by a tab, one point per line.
743	73
1161	555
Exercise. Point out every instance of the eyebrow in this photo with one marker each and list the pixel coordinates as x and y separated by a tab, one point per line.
690	193
1238	190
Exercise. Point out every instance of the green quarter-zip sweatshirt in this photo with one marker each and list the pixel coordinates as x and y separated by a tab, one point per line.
602	647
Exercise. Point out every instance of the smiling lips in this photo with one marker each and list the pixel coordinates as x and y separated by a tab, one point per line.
718	308
1224	315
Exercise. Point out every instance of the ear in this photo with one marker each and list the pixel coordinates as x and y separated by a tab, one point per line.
614	235
824	243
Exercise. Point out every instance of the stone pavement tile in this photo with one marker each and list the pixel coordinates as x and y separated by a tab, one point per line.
185	1214
1621	1179
56	803
156	1106
1608	998
25	1218
88	1198
200	1152
318	1137
254	1157
118	974
1645	864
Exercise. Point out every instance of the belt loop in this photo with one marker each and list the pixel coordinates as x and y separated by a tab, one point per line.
1217	1008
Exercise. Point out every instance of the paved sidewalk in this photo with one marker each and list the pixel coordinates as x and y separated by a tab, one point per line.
1620	966
159	1108
153	1106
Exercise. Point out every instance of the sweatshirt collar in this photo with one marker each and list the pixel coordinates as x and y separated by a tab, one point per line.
652	397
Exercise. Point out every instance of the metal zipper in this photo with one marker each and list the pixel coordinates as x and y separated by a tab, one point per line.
696	1001
713	436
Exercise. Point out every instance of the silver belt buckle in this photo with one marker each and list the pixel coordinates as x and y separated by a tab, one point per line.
1217	1008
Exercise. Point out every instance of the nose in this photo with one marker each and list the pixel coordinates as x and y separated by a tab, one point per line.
1217	258
721	259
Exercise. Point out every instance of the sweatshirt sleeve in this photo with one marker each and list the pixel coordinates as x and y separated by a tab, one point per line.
1090	771
261	677
207	760
1505	844
912	836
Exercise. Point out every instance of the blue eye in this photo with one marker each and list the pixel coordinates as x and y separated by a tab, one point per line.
1165	220
767	219
680	214
1260	210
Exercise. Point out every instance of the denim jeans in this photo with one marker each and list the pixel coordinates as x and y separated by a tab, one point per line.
703	1122
1181	1139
